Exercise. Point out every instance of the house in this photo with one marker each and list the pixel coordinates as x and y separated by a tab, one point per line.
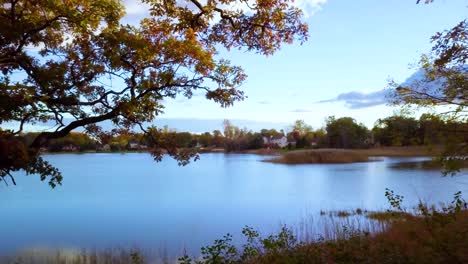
134	145
143	146
279	141
105	147
282	142
70	148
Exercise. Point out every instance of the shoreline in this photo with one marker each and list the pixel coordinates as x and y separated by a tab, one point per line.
406	151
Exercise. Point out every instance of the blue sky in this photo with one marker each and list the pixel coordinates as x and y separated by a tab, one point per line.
353	49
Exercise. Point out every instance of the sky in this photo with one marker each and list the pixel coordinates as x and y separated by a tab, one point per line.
354	49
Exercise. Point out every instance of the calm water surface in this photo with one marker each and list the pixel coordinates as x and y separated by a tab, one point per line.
112	200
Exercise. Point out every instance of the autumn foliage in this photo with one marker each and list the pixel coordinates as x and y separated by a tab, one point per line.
74	64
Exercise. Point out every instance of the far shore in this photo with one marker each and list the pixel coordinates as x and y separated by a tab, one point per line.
406	151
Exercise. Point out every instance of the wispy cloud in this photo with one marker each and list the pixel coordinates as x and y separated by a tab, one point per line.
310	7
357	100
264	102
301	110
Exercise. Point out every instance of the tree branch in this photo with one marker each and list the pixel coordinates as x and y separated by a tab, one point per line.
42	138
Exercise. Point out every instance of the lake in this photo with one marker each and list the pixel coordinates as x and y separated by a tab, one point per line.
113	200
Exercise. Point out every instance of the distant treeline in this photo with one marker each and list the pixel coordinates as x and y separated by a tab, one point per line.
342	132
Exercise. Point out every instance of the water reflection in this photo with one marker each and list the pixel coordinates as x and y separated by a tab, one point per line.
123	200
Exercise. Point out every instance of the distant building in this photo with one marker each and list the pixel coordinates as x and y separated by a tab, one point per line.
143	146
70	148
134	145
105	147
280	141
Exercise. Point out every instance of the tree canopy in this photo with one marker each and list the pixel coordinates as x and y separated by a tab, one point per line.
301	127
445	74
74	63
444	82
345	132
397	130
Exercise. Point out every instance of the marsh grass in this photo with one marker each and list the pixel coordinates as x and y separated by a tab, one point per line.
420	235
321	156
72	256
388	216
429	239
403	151
336	225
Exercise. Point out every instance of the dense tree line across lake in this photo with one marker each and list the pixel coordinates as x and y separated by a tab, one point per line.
342	132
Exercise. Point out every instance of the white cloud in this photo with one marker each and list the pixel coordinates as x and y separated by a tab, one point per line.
417	82
136	7
310	7
357	100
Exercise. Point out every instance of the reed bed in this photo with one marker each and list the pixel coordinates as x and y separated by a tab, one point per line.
426	235
321	156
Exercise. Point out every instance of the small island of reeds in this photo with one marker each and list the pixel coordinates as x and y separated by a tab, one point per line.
321	156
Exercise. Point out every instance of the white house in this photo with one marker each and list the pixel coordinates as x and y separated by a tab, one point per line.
281	141
105	147
133	145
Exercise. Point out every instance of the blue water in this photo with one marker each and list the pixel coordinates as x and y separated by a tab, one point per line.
112	200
